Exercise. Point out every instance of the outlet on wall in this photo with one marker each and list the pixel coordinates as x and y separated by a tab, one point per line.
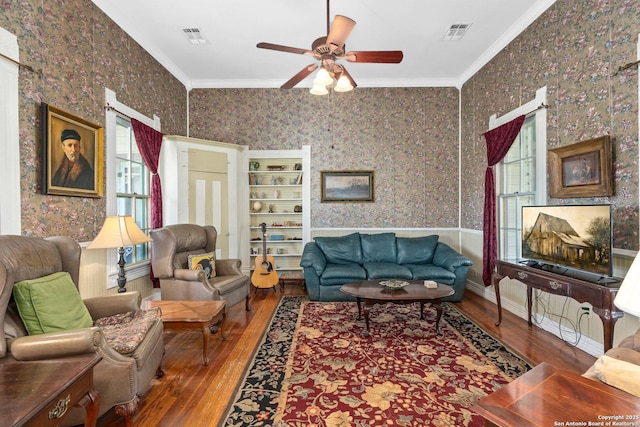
585	309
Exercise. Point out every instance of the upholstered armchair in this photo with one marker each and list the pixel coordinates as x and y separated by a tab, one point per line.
120	379
171	248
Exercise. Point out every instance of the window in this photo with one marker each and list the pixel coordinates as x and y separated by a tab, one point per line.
128	183
132	186
517	189
521	177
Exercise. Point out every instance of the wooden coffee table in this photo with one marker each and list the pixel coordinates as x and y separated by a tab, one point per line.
192	315
370	292
547	396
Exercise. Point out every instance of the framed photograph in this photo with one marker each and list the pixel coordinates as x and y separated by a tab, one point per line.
72	154
346	186
582	169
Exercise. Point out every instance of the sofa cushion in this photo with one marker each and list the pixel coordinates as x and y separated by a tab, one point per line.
387	270
341	250
339	274
378	247
432	272
416	250
51	304
206	262
125	331
618	373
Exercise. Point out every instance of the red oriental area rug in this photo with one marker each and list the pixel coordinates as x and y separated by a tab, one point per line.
403	374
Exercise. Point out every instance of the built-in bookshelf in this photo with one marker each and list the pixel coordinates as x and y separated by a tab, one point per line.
279	197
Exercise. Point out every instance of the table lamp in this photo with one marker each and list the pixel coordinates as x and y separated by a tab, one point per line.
628	296
118	232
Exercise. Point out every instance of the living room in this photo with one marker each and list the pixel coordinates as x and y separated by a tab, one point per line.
424	143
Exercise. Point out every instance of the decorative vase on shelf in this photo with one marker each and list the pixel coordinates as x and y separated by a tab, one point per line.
276	194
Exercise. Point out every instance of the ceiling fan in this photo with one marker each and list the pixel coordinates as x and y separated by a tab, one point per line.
328	49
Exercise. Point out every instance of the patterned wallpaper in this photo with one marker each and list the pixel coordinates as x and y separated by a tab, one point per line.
408	136
574	49
80	52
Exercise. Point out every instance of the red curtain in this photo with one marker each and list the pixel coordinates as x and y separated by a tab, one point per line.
499	140
149	142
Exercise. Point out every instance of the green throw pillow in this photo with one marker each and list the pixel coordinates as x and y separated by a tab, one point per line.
51	304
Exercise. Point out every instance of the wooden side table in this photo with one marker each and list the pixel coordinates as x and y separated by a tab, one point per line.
39	393
192	315
547	396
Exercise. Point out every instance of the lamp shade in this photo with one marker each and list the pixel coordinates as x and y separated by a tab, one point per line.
118	232
318	90
322	78
343	85
628	296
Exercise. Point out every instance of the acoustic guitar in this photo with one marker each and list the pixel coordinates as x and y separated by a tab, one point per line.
264	274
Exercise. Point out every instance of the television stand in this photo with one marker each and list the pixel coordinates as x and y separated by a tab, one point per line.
599	296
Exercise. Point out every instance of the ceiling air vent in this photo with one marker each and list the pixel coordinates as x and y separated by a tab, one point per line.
456	31
194	35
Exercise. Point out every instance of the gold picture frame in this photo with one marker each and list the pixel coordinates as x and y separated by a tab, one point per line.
72	154
582	169
346	186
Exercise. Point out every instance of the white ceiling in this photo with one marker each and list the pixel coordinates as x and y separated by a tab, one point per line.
232	29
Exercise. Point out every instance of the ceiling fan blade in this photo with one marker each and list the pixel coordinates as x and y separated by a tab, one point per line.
283	48
299	77
381	56
340	30
348	76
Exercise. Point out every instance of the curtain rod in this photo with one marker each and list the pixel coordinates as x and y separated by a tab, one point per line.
19	64
539	107
110	108
626	66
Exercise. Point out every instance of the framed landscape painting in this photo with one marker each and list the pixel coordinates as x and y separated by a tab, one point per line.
72	154
582	169
346	186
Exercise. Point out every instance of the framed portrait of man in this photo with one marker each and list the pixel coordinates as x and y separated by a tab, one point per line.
72	153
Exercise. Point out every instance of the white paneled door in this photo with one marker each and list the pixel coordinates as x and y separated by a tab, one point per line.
208	195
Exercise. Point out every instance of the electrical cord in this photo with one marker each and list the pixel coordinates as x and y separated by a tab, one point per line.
562	318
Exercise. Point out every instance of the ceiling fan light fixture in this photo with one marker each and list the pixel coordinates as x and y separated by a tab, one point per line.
343	85
318	89
322	78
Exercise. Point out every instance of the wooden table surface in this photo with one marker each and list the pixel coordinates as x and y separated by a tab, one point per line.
547	396
40	392
192	315
187	311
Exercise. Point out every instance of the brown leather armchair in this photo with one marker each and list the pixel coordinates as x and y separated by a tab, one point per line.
119	379
170	252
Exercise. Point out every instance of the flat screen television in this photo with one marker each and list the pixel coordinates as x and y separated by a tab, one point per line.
572	240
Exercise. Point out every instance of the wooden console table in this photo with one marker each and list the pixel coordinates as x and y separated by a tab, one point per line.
546	396
39	393
599	296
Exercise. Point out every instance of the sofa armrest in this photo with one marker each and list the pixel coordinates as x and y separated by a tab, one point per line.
108	305
632	342
195	275
446	257
228	267
55	344
313	257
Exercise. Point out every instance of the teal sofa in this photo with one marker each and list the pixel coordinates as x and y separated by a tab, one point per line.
330	262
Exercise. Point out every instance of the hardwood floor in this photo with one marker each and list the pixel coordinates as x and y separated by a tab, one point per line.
191	394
